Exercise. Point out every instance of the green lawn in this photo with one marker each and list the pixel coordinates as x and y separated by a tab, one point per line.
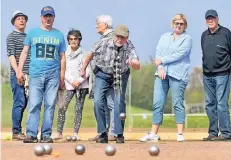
88	116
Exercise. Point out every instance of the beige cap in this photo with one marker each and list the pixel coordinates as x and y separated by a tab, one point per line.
122	30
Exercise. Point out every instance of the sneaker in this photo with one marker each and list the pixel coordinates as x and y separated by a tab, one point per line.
209	138
30	139
58	137
102	139
112	138
18	137
150	137
221	138
93	138
120	139
46	140
180	137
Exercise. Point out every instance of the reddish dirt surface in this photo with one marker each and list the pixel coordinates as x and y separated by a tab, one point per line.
131	150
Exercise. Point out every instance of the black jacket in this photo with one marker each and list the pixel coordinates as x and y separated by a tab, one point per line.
216	49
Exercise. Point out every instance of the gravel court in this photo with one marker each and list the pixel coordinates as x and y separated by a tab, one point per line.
133	150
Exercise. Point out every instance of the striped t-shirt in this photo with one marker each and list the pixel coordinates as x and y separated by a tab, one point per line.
15	44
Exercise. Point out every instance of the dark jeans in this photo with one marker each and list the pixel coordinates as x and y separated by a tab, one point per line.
19	104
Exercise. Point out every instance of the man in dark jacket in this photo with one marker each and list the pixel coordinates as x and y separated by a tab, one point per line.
216	49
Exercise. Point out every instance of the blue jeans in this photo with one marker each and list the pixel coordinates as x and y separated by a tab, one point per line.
105	100
217	89
103	84
42	86
161	88
109	109
122	105
19	104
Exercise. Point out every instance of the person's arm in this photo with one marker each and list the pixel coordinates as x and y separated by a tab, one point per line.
62	69
183	51
161	69
96	48
158	51
87	60
229	42
133	60
81	79
10	42
61	52
22	61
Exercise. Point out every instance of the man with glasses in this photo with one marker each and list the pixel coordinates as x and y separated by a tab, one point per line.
113	56
216	50
47	68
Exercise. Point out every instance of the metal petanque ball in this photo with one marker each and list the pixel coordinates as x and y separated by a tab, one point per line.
74	138
39	150
110	150
68	138
80	149
122	116
154	150
48	149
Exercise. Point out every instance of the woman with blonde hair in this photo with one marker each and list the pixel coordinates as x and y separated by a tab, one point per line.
172	66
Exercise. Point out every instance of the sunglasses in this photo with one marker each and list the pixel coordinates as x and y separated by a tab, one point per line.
71	39
179	24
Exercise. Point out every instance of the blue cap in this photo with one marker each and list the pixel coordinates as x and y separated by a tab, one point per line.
47	10
211	13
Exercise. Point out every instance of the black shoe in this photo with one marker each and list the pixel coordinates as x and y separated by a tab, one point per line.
102	139
120	139
221	138
209	138
30	139
46	140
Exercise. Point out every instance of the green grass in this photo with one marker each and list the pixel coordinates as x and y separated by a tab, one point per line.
88	116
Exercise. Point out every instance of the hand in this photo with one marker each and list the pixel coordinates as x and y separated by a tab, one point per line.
129	62
157	62
134	63
83	73
62	84
75	84
20	78
161	73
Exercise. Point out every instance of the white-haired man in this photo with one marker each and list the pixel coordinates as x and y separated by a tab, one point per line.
105	28
113	56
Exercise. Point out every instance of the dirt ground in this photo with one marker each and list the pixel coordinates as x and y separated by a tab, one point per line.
131	150
192	149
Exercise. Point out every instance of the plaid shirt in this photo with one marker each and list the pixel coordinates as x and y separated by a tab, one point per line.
112	60
105	53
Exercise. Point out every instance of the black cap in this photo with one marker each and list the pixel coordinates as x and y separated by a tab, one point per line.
211	13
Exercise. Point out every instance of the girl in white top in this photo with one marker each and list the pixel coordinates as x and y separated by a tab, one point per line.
74	83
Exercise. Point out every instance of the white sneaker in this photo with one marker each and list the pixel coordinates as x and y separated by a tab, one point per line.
150	137
180	138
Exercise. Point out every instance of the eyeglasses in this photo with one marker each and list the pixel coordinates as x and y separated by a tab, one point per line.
71	39
179	24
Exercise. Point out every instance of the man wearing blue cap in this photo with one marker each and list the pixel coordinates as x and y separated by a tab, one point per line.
47	69
216	49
